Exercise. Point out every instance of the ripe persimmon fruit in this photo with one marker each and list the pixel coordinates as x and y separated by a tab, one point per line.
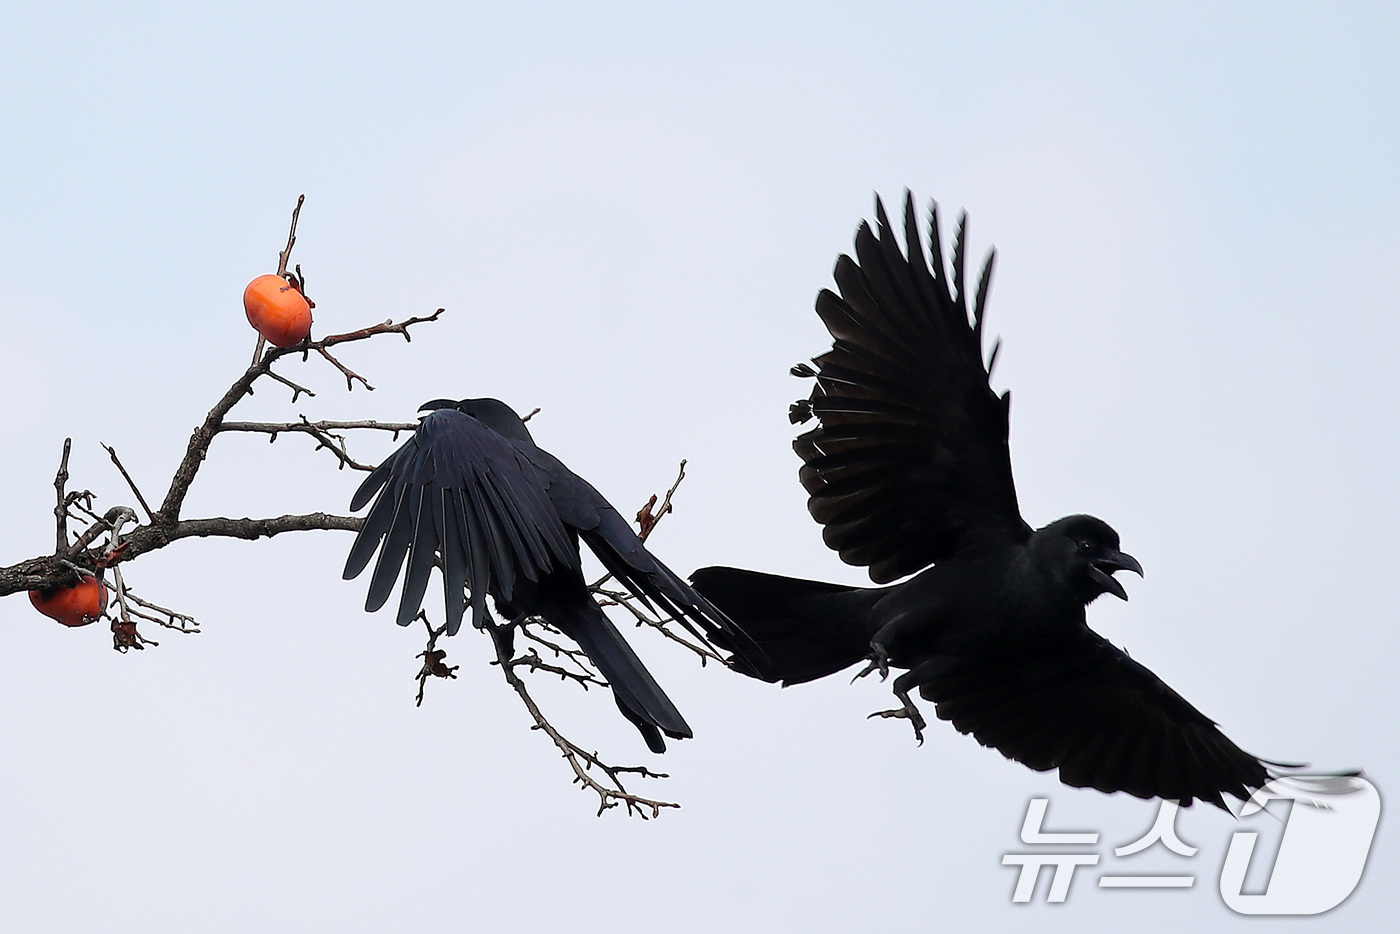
277	310
75	605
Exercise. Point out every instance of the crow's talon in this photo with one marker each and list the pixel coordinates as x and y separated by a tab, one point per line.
880	659
908	712
865	671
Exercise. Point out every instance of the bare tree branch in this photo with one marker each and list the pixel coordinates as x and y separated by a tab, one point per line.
198	447
245	528
165	524
324	432
608	786
275	428
108	542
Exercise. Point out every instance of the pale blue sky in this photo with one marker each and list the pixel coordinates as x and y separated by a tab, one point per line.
627	210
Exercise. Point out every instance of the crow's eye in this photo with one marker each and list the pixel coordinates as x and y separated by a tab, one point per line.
1085	546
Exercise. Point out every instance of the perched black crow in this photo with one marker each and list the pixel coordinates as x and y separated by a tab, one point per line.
471	491
909	467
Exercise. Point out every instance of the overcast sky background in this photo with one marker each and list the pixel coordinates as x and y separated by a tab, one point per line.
627	210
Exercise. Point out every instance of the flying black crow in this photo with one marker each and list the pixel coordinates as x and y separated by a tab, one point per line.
471	491
909	467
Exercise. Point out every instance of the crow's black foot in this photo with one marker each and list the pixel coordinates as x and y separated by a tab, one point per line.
879	661
503	634
907	712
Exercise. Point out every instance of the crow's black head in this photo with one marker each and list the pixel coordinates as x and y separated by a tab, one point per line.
493	413
1083	551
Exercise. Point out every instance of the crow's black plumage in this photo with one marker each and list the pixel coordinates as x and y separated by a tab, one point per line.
472	492
909	467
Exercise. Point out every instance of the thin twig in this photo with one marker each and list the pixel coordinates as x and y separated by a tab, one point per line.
60	510
82	502
647	520
350	375
577	656
298	390
388	327
97	528
111	452
532	661
291	239
629	603
173	620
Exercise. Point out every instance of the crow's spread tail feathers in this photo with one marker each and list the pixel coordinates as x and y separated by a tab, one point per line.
804	629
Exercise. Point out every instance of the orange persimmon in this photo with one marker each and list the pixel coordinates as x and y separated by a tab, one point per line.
277	311
76	605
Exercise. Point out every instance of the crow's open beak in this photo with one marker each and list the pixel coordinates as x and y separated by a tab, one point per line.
438	404
1101	571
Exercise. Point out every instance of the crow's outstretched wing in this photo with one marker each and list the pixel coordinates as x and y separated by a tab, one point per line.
1083	706
911	451
457	490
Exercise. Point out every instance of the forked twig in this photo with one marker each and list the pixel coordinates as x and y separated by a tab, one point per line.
434	659
646	519
611	792
325	433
